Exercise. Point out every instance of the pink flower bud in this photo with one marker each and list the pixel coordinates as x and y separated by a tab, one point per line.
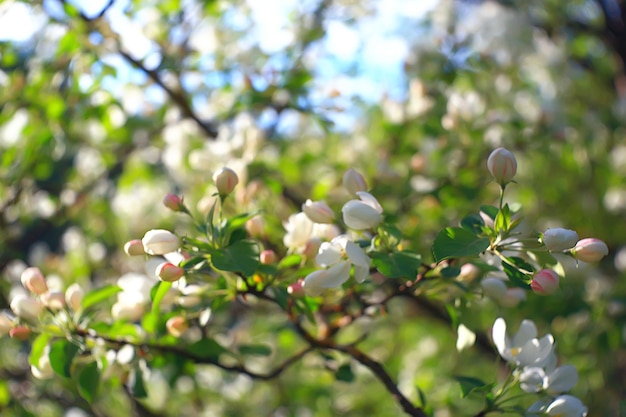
318	211
19	333
559	239
173	202
225	180
354	182
176	326
74	296
268	257
255	226
134	248
502	165
545	282
54	300
33	280
590	250
469	272
296	289
26	307
169	272
160	242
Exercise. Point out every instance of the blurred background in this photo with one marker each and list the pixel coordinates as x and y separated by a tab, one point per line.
106	106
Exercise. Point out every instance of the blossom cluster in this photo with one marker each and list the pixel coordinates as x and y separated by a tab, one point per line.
535	367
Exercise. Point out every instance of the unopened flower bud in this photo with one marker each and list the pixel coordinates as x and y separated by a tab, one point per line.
26	307
590	250
318	211
502	165
33	280
169	272
225	180
160	242
255	226
296	289
134	248
268	257
20	333
545	282
176	326
173	202
354	182
74	296
54	300
362	214
558	239
469	272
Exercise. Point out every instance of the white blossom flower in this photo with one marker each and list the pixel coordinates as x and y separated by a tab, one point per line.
362	214
554	380
561	406
524	349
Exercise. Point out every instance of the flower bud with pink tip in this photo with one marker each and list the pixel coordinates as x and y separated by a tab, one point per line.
169	272
545	282
134	248
502	165
176	326
353	181
296	289
173	202
268	257
225	180
20	333
33	280
318	211
590	250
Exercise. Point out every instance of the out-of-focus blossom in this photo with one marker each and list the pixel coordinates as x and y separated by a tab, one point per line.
34	281
54	300
268	257
43	370
353	181
566	406
494	288
553	380
225	180
26	307
173	202
6	324
512	297
74	296
465	338
20	332
134	297
318	211
176	326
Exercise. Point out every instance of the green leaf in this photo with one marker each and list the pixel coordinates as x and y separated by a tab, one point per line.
344	373
470	384
62	353
255	350
39	345
150	321
207	349
473	223
450	272
517	277
289	261
89	381
242	256
455	242
159	291
503	219
101	294
397	264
